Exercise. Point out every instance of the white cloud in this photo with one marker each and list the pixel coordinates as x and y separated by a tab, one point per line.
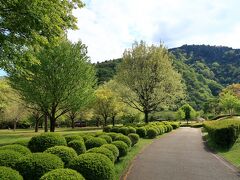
107	27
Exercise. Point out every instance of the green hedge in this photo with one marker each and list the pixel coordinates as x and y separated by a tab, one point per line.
62	174
78	146
112	148
122	148
152	133
95	142
125	139
106	137
64	152
46	140
141	131
73	137
134	138
104	151
223	132
93	166
7	173
9	158
33	166
16	147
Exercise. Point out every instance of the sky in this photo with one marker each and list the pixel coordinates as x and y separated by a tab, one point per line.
108	27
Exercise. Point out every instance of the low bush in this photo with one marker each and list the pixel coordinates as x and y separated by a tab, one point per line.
9	158
141	131
95	142
125	139
106	137
62	174
86	137
78	146
107	129
122	148
23	142
115	129
112	148
113	135
35	165
175	125
223	132
151	133
134	138
46	140
131	130
123	130
73	137
7	173
64	152
103	151
16	147
93	166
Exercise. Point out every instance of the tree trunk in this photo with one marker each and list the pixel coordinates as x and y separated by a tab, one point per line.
14	124
52	124
105	121
146	116
73	125
45	123
113	120
37	124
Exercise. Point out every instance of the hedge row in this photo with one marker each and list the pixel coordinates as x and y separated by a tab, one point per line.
223	132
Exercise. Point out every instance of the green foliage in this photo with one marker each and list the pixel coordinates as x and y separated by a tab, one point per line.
7	173
93	166
122	147
62	174
134	138
229	102
125	139
78	146
44	141
107	129
141	131
115	129
175	125
33	166
112	135
16	147
113	149
86	137
103	151
95	142
131	130
65	153
106	137
189	112
223	132
152	133
123	130
9	158
73	137
23	142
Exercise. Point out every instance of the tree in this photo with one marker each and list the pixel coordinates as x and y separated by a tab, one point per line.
29	23
188	111
62	81
149	78
229	102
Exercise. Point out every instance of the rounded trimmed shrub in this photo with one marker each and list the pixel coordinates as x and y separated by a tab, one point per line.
106	137
93	166
95	142
7	173
131	130
23	142
62	174
152	133
64	152
125	139
46	140
16	147
107	129
86	137
141	131
9	158
123	130
112	148
73	137
122	148
103	151
115	129
134	138
35	165
113	135
78	146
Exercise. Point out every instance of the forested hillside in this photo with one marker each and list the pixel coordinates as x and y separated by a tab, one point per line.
205	70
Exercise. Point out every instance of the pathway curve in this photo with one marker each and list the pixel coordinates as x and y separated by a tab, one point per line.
180	155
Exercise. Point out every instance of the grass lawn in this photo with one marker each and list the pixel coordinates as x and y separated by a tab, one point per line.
10	136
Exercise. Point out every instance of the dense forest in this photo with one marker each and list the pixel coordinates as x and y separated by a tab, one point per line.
205	70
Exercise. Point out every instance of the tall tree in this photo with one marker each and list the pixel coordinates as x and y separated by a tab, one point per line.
29	23
63	80
149	77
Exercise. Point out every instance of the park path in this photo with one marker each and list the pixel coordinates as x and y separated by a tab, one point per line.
180	155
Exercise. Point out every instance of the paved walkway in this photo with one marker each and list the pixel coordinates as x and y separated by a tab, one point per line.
180	155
